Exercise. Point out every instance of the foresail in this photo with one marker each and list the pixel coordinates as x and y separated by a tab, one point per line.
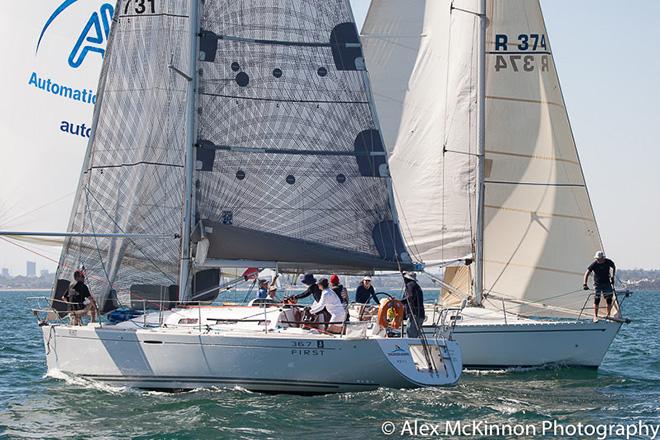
540	229
422	60
291	163
132	177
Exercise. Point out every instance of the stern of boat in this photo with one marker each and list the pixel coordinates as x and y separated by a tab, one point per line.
424	363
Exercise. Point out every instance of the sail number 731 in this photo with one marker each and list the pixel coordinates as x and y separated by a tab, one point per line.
140	7
524	53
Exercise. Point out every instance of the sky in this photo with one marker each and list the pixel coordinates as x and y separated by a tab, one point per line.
608	66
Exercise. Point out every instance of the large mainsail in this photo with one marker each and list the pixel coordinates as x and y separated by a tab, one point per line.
540	228
132	177
540	231
291	164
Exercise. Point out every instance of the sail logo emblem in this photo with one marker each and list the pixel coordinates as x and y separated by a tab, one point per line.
93	37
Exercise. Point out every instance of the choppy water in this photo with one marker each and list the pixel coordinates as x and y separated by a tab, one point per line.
626	390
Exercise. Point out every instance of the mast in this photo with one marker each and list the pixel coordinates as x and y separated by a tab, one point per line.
481	159
185	268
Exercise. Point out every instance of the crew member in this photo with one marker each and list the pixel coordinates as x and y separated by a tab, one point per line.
413	300
339	289
604	272
365	292
272	293
329	304
76	295
312	288
262	293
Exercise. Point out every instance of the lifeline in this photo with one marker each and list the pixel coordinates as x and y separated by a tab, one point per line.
46	84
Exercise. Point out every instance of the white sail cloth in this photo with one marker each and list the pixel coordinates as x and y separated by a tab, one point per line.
540	228
540	231
421	61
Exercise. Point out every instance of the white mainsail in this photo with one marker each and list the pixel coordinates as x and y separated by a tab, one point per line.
539	227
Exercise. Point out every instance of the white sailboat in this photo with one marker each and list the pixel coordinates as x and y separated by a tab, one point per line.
234	134
487	176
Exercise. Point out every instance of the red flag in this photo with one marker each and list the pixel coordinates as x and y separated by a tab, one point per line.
251	273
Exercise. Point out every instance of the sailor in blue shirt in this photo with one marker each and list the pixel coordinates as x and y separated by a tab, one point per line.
262	293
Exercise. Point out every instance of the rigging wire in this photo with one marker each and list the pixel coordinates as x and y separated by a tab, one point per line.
10	220
129	239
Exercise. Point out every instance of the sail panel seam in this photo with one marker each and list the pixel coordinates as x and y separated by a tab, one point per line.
530	266
540	214
297	101
100	167
162	14
529	101
532	156
295	152
277	42
558	185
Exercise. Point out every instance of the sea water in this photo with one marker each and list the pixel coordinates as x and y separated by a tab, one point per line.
625	391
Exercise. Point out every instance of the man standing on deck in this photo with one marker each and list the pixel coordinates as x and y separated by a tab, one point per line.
76	295
413	300
603	281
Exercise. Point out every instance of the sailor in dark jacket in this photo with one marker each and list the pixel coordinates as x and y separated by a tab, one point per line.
365	292
312	288
339	289
413	300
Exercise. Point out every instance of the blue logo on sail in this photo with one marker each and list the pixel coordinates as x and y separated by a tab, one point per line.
93	37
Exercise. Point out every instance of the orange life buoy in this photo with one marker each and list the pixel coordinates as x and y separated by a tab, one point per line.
386	308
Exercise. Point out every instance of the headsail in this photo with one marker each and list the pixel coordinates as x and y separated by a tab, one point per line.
132	177
540	231
291	163
422	61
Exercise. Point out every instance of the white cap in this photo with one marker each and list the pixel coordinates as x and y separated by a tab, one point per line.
410	275
367	278
599	254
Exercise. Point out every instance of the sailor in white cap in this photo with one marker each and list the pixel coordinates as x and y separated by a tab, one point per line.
604	272
365	292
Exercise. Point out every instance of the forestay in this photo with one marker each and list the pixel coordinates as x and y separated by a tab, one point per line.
132	176
291	163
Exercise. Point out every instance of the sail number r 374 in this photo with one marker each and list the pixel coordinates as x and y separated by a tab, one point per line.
526	53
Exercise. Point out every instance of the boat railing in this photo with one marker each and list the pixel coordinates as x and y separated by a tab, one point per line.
619	297
444	320
151	314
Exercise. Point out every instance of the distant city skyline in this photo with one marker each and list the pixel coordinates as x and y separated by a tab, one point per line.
31	268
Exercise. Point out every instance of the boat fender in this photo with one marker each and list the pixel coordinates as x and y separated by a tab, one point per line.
390	313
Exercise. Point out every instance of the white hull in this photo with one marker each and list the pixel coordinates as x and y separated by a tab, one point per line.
489	342
291	361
